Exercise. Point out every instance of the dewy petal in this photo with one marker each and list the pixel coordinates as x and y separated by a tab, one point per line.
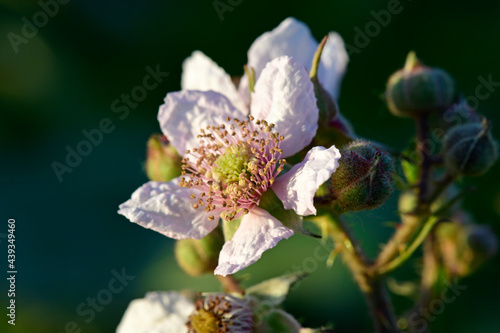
297	187
158	312
284	96
186	112
291	38
168	209
199	72
258	232
333	64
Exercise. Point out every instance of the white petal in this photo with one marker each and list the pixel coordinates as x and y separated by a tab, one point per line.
292	38
168	209
186	112
199	72
333	64
258	232
284	96
158	312
297	187
244	91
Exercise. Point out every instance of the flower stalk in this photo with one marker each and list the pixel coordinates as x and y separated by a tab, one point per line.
230	284
370	284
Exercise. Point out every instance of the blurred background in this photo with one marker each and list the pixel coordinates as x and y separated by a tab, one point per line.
62	79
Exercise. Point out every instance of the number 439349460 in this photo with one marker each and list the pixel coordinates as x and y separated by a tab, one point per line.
11	258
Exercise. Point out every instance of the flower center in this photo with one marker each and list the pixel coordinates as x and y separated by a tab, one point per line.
203	321
233	166
235	161
221	313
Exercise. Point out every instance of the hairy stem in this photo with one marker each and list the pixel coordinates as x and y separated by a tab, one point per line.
372	287
230	285
427	284
414	220
406	253
398	242
425	162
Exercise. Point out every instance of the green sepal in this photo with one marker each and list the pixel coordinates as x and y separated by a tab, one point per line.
275	290
273	205
229	228
279	321
163	163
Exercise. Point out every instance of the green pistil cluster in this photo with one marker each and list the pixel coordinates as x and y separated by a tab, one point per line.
203	321
236	160
221	313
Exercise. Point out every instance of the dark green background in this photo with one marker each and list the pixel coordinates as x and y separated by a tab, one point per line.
64	80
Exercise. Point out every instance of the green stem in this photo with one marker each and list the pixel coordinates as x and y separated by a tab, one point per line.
412	221
441	186
422	123
397	243
230	284
372	286
429	279
405	254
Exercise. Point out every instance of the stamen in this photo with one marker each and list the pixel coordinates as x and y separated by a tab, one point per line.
232	169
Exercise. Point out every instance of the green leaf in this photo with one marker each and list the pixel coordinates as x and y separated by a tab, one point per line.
410	171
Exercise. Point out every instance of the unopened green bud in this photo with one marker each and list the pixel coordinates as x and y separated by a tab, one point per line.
364	177
199	256
417	89
163	163
469	149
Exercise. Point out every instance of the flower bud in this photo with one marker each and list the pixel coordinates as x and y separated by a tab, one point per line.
482	240
363	179
419	89
465	248
199	256
469	149
163	163
460	113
